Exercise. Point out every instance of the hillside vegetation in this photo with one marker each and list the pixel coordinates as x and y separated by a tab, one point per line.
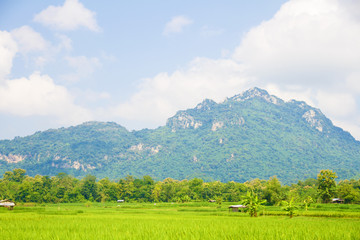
250	135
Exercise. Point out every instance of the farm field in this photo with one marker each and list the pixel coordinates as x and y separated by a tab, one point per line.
175	221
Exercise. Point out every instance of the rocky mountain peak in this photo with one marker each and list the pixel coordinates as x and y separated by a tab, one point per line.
183	120
256	93
207	104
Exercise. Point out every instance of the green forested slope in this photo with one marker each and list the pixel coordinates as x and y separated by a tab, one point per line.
250	135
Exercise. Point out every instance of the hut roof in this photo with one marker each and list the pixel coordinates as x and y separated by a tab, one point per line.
237	206
7	203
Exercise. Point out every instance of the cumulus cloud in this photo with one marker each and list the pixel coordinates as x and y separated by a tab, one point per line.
161	96
313	45
337	104
33	47
65	42
38	95
353	82
37	51
8	49
305	40
176	25
29	40
70	16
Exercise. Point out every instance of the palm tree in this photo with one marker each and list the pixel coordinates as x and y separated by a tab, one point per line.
253	203
289	207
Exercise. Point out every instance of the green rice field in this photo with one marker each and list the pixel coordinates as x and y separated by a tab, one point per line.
175	221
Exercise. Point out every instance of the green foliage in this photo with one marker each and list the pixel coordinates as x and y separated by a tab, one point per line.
218	200
326	184
235	140
289	207
273	192
348	191
64	188
307	202
252	202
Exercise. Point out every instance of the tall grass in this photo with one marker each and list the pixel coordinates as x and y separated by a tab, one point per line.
132	221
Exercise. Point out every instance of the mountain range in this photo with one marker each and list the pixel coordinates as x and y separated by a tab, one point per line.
250	135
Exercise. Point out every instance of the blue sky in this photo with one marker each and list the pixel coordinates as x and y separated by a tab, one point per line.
136	63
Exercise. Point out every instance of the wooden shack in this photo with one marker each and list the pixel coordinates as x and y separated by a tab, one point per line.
235	208
7	203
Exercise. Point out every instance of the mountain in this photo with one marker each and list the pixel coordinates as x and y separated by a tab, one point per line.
250	135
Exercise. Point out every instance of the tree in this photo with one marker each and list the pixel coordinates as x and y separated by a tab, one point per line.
289	207
307	202
273	191
127	186
168	190
89	188
196	188
17	175
326	184
219	200
143	188
346	191
253	203
155	194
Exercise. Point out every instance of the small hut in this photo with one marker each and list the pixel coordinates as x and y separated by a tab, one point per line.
235	208
337	200
7	203
120	201
211	200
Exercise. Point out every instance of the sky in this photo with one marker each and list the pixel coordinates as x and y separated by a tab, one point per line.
136	63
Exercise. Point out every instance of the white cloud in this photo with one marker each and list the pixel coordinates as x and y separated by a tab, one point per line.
353	81
160	97
38	95
29	40
71	16
33	47
299	93
83	67
306	40
37	51
176	25
65	42
314	45
337	104
8	49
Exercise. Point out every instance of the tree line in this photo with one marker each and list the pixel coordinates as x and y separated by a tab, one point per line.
63	188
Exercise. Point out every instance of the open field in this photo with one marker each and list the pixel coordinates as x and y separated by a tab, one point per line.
175	221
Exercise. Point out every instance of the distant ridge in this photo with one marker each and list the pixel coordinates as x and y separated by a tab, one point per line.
250	135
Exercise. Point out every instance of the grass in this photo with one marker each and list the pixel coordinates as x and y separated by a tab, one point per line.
174	221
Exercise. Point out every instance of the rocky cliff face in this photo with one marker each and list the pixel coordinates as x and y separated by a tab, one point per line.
250	135
194	118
